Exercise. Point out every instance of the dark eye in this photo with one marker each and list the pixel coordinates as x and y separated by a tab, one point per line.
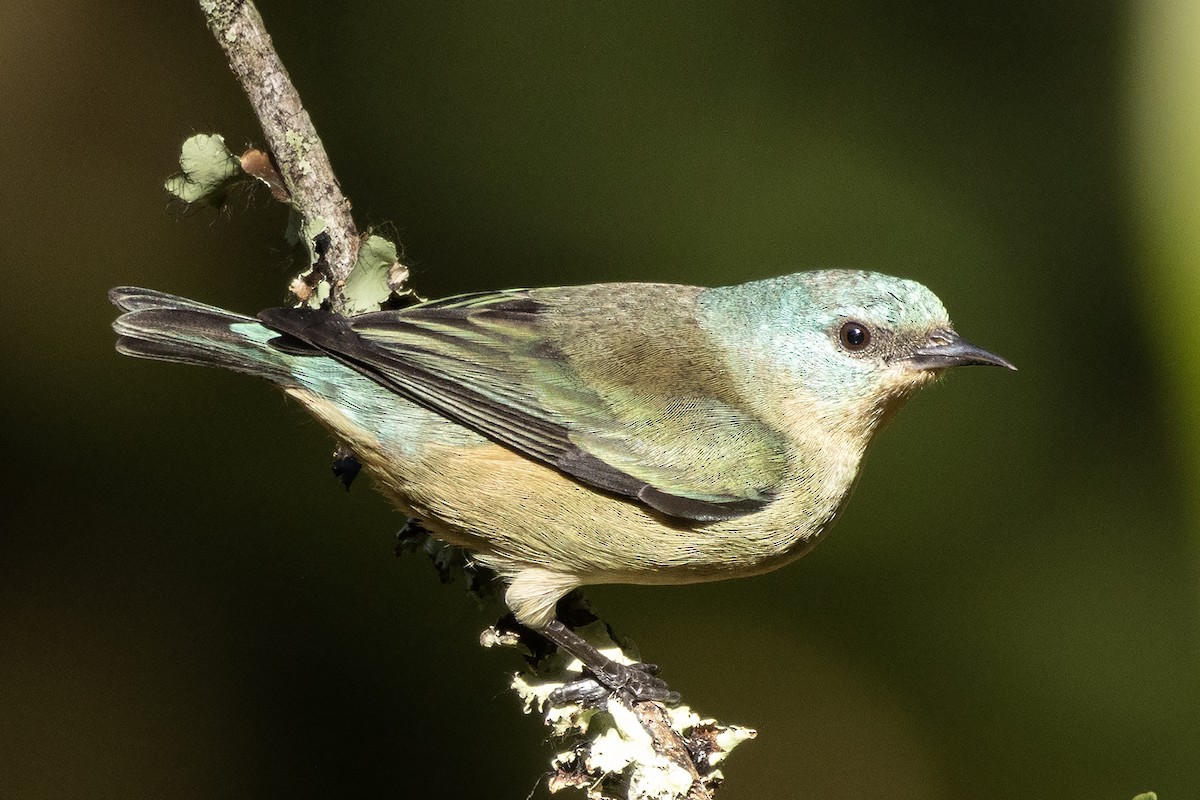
854	336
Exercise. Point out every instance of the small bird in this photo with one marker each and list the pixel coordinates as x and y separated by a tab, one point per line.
639	433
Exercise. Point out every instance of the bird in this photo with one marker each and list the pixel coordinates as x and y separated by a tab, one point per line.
642	433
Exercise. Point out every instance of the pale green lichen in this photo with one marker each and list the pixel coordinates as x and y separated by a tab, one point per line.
209	170
371	280
367	285
729	737
314	227
300	145
309	288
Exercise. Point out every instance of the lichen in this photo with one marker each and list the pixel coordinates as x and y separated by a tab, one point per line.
208	171
605	750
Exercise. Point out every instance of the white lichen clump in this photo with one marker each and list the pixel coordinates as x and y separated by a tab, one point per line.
607	751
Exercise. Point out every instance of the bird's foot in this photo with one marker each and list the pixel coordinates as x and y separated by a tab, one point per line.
640	681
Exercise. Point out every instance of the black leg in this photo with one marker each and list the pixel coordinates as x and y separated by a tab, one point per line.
639	680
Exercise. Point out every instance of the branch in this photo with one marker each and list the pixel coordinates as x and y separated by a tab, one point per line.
291	138
664	739
615	749
621	749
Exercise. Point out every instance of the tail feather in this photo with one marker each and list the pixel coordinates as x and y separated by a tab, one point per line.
132	298
169	328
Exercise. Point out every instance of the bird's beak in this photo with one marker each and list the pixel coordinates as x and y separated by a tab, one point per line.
947	349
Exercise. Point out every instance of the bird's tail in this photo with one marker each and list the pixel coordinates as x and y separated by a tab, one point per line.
169	328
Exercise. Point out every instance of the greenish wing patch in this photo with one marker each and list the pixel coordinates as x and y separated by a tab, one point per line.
495	363
697	446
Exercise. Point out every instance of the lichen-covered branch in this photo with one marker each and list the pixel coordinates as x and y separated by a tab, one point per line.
620	749
614	749
617	749
290	136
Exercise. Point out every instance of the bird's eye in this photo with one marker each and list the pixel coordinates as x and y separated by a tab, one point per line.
854	336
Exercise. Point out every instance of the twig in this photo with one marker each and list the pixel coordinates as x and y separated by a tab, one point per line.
291	137
617	749
686	763
670	743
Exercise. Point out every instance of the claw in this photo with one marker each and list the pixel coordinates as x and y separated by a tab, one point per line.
587	692
641	681
638	680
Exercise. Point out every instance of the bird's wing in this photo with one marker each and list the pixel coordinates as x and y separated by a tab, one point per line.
571	383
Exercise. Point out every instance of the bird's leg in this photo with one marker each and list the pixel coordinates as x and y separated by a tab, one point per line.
639	680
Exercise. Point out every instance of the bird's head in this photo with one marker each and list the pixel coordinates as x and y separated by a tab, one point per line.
844	345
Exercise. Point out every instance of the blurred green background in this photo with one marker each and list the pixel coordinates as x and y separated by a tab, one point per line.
191	607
